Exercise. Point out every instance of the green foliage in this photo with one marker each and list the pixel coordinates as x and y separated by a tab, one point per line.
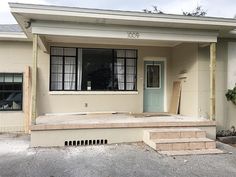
231	95
198	12
154	10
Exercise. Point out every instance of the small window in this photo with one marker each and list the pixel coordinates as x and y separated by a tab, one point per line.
153	76
11	91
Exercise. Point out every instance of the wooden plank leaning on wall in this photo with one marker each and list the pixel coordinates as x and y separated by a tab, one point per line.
26	99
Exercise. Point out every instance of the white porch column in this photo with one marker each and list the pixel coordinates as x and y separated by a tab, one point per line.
34	80
212	81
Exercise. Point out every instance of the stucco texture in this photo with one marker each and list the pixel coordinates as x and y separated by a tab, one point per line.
186	58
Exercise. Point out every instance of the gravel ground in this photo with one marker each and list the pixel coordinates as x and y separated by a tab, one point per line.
128	160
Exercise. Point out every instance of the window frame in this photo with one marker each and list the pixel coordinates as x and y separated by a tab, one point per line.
113	72
14	91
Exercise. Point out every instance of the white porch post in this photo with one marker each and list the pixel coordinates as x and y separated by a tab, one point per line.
34	79
212	80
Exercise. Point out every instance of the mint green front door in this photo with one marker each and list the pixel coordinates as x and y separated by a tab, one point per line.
153	86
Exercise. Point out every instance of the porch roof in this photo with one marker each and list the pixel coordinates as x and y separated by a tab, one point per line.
117	17
55	23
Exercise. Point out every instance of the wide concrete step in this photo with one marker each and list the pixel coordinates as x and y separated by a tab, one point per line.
183	144
171	133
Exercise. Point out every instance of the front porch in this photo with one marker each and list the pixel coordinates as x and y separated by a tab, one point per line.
109	128
105	61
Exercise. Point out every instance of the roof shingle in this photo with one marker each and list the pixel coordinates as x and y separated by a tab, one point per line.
10	28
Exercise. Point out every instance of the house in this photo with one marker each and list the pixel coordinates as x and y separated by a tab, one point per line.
68	61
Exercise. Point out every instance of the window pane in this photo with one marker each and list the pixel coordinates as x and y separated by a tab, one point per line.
56	73
56	77
57	51
121	86
120	53
130	86
153	76
56	85
97	69
69	73
131	62
70	51
11	91
56	68
10	100
8	77
56	60
131	53
18	78
1	77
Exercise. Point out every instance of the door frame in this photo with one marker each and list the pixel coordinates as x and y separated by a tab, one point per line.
165	77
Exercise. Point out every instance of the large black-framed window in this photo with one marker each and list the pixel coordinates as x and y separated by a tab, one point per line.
93	69
11	86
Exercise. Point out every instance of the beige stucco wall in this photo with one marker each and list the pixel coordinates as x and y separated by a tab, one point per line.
221	84
194	61
14	56
48	102
231	81
187	58
184	61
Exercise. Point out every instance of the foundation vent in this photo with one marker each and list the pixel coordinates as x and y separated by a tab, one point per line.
86	142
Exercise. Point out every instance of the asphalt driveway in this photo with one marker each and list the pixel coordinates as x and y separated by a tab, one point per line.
126	160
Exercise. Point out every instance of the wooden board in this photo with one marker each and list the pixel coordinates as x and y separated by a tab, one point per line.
175	99
27	88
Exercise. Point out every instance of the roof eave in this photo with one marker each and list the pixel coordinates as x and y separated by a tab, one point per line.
137	17
13	36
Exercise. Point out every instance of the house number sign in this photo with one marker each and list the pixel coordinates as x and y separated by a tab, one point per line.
133	35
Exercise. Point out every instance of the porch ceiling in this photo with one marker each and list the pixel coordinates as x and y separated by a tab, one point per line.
56	24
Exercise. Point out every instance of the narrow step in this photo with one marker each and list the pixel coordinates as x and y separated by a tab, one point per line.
176	133
192	152
183	144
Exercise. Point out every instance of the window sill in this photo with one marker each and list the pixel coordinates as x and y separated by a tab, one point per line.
11	111
93	92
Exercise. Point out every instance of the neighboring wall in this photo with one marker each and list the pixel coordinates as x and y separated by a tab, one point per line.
67	102
231	82
14	57
184	62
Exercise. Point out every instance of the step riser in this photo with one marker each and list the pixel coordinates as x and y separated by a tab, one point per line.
173	135
185	146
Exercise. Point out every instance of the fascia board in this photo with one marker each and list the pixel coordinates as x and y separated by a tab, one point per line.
124	34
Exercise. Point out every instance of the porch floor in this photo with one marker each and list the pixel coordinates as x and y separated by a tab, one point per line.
91	121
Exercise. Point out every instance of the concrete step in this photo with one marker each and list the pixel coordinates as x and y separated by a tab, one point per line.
183	140
171	133
183	144
192	152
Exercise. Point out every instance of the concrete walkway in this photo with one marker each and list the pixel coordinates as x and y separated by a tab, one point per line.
126	160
